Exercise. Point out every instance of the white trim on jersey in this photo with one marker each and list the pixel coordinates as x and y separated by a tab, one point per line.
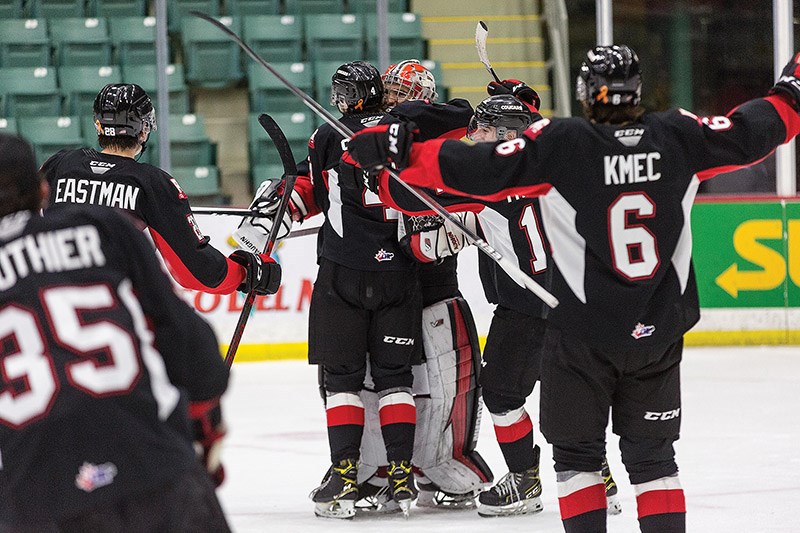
682	256
496	232
340	399
663	483
579	481
569	248
334	213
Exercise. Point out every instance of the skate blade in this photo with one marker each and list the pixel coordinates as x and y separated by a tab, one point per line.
431	500
614	505
405	506
342	509
527	506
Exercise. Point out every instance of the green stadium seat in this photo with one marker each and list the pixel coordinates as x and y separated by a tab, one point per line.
189	142
89	132
323	71
30	91
306	7
145	77
80	85
405	36
197	181
49	134
8	125
178	11
134	39
117	8
368	6
333	37
211	59
81	41
268	93
261	173
24	43
56	9
297	127
12	9
276	38
240	8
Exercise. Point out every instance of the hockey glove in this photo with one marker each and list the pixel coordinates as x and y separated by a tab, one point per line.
209	430
431	238
252	232
263	273
519	90
381	146
789	82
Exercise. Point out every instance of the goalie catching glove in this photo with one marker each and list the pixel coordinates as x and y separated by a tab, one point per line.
519	90
253	232
209	430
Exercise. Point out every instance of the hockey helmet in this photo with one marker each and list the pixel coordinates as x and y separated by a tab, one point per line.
503	112
123	109
356	87
610	75
409	80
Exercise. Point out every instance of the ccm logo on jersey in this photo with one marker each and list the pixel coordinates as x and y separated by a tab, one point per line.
404	341
632	168
666	415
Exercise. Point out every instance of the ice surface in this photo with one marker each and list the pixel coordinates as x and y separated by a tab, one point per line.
739	453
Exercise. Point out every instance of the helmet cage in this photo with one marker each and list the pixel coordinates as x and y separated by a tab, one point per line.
609	75
123	110
409	80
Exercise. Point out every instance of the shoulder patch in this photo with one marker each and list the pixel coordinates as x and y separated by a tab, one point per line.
181	194
193	224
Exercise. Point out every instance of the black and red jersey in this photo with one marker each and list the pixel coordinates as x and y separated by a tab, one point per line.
616	204
155	200
359	231
97	354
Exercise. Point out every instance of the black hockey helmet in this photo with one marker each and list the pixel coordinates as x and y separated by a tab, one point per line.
123	109
610	75
356	87
504	112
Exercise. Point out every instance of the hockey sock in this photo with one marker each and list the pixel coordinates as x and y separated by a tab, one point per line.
582	500
345	414
398	419
661	505
514	432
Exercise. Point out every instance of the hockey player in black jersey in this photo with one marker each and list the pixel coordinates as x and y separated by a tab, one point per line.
616	192
124	118
98	357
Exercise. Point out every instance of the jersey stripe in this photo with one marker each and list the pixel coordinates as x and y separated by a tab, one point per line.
682	256
569	248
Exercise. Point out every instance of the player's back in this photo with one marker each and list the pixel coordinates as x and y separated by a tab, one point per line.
84	392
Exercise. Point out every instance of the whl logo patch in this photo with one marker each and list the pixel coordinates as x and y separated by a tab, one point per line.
383	255
642	331
91	476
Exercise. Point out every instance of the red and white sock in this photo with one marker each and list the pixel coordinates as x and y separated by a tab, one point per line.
582	501
661	505
398	416
514	431
345	414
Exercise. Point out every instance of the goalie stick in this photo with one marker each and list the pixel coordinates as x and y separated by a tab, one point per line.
506	264
290	175
481	34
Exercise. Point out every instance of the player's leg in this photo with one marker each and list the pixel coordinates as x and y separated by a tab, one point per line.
646	416
577	387
338	329
394	346
511	362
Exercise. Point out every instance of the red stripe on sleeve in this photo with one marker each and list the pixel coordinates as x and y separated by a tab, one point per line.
515	431
398	413
790	117
583	501
345	415
234	277
661	502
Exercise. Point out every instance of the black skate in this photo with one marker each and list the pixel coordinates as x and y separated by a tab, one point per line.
430	495
337	494
612	500
375	498
401	485
516	494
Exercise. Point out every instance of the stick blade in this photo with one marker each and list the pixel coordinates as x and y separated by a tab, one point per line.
481	34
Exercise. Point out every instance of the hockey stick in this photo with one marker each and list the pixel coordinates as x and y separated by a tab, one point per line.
233	211
290	175
481	34
511	269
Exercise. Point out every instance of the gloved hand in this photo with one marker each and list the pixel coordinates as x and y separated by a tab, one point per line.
263	273
519	90
352	176
209	430
252	232
380	146
789	82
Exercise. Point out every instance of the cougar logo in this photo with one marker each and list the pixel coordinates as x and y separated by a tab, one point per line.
403	341
666	415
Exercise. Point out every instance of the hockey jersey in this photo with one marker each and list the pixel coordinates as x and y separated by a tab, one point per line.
95	351
155	200
616	204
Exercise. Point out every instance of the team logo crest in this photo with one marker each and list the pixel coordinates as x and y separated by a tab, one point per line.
642	331
91	476
383	255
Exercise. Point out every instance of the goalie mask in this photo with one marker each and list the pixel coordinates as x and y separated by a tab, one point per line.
408	80
356	87
497	115
610	75
123	109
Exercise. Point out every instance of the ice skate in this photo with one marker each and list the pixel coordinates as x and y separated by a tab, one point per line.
516	494
401	485
612	500
337	494
373	498
431	496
